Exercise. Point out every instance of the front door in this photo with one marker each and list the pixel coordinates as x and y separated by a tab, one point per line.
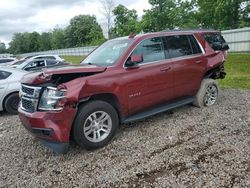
151	82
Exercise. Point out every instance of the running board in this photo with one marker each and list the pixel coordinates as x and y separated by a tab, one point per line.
158	109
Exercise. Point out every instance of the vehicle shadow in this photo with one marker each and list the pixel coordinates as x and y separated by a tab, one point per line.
5	114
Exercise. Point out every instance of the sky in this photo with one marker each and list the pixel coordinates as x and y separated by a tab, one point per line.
44	15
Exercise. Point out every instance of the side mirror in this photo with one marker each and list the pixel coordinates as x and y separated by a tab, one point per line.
134	60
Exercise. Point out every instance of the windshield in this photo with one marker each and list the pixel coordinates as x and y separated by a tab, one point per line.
108	53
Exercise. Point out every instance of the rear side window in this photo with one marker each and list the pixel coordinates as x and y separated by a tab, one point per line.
4	74
178	46
194	44
150	49
215	40
51	62
5	60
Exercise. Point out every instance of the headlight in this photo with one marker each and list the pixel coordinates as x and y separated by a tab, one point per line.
51	98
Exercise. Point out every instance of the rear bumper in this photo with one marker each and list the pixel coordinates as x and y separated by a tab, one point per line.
51	128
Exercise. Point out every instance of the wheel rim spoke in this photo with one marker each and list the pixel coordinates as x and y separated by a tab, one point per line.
210	95
88	132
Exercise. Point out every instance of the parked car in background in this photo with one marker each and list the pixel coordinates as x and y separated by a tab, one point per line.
9	88
37	64
52	57
7	61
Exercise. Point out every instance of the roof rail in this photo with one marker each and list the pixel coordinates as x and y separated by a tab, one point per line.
194	29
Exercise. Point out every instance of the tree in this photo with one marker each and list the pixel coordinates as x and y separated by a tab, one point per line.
169	14
125	21
18	44
58	37
45	41
107	12
33	42
84	30
2	47
221	14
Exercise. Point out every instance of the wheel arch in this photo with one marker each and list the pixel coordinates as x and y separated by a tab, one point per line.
216	72
110	98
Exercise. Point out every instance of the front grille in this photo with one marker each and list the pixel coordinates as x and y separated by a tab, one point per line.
28	105
28	90
29	98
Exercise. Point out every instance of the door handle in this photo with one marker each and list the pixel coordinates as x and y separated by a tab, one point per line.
165	69
198	62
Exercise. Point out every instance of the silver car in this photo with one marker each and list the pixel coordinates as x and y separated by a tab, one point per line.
7	61
9	88
37	64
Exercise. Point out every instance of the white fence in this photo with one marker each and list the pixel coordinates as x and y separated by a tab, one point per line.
80	51
5	55
238	39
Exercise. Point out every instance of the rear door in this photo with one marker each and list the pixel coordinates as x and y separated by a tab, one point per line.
188	64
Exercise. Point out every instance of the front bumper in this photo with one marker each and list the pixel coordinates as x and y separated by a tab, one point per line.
51	128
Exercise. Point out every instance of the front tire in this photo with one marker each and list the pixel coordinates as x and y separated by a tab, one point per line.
11	103
95	125
207	94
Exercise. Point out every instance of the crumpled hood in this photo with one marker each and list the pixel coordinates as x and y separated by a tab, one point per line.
46	75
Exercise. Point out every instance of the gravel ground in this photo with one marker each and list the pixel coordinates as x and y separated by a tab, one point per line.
186	147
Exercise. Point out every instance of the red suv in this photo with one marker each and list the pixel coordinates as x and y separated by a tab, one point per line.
125	79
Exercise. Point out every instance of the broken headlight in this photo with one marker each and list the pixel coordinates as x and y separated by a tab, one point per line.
50	99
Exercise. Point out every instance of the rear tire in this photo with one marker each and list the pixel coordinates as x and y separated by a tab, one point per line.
11	103
95	125
207	94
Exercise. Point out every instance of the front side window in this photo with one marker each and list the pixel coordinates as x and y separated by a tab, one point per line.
108	53
150	49
35	64
178	46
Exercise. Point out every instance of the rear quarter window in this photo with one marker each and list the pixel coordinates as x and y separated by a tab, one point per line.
215	40
4	74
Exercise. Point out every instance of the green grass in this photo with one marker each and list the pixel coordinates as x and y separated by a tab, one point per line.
74	59
237	67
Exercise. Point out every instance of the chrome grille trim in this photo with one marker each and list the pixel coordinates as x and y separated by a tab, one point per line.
30	91
29	98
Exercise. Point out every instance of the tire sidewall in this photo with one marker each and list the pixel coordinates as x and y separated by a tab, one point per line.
199	98
81	117
9	101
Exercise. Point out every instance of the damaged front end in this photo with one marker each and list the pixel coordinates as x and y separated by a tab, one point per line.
48	105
